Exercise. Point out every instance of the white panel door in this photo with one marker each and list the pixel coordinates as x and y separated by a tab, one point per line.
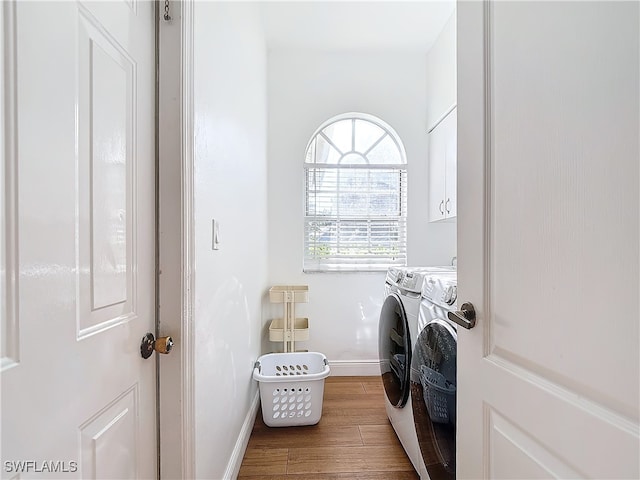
548	247
78	273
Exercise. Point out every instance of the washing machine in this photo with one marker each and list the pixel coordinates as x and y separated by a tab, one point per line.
433	378
398	329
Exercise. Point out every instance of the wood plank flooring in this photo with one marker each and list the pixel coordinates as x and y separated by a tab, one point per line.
353	440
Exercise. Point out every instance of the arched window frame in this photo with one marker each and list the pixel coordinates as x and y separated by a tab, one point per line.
355	197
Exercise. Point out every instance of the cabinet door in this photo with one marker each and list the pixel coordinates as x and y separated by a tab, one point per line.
442	168
437	160
451	151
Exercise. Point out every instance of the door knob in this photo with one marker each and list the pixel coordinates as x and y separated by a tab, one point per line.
465	317
150	343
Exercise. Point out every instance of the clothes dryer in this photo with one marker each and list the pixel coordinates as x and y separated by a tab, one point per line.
433	378
398	330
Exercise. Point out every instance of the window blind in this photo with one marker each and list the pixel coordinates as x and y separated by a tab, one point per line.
355	217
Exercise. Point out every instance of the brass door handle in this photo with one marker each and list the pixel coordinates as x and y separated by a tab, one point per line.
150	344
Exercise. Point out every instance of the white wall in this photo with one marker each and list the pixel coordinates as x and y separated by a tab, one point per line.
305	88
230	186
441	81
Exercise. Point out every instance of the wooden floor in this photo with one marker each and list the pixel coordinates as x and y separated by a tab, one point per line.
353	440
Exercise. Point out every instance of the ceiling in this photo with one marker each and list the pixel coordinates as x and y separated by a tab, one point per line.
355	25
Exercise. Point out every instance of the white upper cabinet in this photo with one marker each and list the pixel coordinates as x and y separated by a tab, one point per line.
442	123
451	164
442	168
442	74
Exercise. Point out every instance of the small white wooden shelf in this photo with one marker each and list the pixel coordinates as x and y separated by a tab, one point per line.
300	330
289	329
289	293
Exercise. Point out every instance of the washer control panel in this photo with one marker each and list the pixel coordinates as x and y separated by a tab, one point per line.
410	281
441	289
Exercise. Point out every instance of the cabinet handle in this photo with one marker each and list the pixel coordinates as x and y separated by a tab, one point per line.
446	205
440	207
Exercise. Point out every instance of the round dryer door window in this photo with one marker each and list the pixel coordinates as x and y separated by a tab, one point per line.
394	348
433	397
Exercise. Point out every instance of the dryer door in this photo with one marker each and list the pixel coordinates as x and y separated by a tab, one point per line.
433	397
394	348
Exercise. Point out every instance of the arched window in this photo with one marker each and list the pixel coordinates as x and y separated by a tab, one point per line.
355	196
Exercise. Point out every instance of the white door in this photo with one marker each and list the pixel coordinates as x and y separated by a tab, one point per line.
548	243
78	401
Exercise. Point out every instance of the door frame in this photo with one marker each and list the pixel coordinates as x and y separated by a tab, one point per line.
175	241
473	178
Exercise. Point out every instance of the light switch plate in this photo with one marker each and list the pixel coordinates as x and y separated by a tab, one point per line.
215	244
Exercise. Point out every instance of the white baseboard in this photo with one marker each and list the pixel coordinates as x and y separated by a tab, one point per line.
233	467
356	368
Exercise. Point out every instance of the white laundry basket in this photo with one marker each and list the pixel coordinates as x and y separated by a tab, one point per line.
291	387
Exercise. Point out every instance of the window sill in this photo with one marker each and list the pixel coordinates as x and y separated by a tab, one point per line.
381	269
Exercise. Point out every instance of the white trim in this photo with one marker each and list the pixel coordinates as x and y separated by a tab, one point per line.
235	461
369	118
187	227
355	368
445	115
9	176
488	174
176	242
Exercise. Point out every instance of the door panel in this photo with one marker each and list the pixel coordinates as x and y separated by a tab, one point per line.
548	156
573	178
109	440
106	181
527	457
85	239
